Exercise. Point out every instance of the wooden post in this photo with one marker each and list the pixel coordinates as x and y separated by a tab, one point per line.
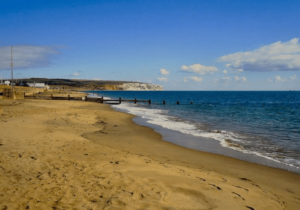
164	102
177	102
135	101
85	98
120	100
24	94
68	97
149	101
51	96
101	100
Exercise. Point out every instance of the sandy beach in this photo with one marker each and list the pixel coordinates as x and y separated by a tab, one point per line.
84	155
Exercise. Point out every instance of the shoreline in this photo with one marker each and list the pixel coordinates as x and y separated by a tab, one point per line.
212	146
205	144
158	140
101	152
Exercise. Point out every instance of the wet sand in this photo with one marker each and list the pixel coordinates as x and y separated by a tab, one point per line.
83	155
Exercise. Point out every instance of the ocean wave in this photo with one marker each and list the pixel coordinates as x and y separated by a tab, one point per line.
227	139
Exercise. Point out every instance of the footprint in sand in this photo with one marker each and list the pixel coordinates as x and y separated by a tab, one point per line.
215	186
201	179
238	195
241	188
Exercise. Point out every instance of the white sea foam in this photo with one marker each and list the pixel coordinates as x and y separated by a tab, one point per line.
94	95
161	118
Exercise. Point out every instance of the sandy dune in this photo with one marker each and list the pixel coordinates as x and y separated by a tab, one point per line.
83	155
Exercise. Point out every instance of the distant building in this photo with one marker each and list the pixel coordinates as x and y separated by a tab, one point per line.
37	85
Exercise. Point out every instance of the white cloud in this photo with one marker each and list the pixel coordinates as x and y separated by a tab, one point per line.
216	80
279	79
76	74
226	79
240	79
225	71
269	80
195	79
199	69
279	56
26	56
163	79
164	72
293	77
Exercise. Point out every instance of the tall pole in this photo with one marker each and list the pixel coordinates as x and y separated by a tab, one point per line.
12	72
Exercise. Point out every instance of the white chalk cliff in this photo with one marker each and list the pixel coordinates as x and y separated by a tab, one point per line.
139	86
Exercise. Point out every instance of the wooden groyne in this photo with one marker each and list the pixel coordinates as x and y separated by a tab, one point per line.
85	98
94	99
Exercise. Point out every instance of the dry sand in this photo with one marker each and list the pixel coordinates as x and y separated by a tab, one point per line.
83	155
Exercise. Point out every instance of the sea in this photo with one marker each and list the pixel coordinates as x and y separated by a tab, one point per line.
262	127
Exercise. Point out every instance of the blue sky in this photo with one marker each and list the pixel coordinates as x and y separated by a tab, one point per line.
180	44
